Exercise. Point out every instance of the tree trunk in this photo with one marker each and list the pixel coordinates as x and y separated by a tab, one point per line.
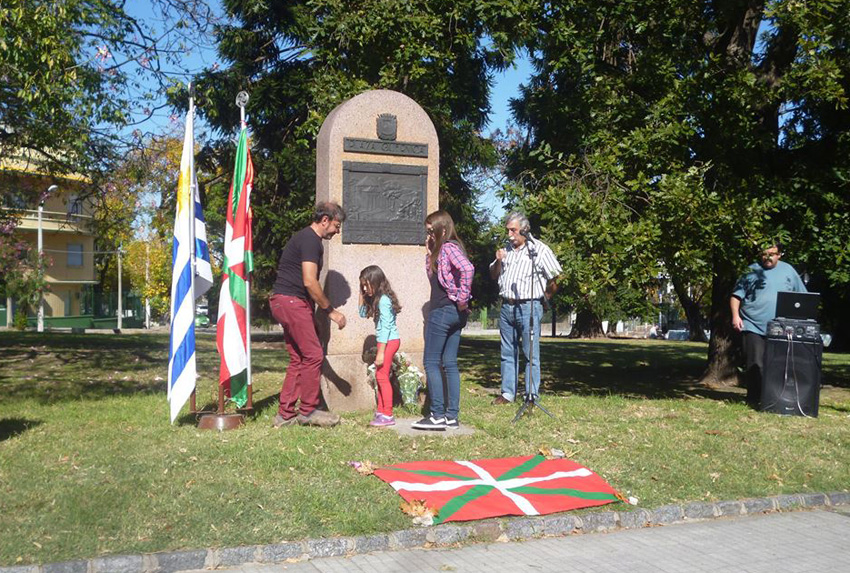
692	311
587	325
724	352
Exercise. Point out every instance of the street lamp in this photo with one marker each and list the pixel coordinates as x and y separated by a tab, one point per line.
40	323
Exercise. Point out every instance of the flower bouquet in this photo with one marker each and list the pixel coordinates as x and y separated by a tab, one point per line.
409	381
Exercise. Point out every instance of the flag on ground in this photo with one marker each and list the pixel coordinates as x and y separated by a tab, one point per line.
466	490
231	330
182	370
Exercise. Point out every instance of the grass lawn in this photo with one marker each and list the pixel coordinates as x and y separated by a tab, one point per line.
89	464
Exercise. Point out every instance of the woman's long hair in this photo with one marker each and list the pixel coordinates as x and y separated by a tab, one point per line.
380	286
444	231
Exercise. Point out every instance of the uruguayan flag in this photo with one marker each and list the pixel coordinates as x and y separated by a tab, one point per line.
182	370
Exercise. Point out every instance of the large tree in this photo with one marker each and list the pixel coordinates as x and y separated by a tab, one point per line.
80	81
721	123
79	75
301	59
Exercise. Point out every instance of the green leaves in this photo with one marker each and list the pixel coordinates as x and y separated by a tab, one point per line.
666	122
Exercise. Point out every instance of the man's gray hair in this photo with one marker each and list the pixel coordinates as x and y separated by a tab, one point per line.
518	217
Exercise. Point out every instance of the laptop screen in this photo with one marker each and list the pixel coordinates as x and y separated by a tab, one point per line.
797	305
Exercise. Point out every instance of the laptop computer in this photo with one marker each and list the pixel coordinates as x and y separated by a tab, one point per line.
797	305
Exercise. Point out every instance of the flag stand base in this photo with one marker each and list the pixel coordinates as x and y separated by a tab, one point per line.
221	422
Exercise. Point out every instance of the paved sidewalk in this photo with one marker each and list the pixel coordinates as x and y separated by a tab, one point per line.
793	542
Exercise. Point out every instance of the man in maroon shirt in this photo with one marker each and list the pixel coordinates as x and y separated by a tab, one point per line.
294	295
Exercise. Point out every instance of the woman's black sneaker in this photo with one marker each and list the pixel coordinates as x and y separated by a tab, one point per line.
430	423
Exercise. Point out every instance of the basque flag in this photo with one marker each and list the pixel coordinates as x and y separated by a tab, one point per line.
465	490
232	327
189	227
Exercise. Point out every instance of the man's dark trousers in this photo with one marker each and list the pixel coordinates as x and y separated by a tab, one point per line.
754	351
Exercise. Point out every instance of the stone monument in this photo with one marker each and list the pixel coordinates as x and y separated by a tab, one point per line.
378	157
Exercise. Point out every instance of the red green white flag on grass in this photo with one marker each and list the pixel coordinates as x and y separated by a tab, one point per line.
231	331
466	490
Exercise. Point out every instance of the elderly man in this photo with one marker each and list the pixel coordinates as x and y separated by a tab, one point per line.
753	304
522	297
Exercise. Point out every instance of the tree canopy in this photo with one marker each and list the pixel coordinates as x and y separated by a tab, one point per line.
299	60
715	126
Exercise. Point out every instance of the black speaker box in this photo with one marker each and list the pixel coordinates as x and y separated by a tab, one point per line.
791	377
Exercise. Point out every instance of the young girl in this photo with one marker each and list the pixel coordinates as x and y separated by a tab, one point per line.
450	274
379	302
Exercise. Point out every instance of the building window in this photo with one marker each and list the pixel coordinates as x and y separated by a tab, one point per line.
75	255
75	205
15	200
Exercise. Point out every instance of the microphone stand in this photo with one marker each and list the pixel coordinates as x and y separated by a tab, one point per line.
529	401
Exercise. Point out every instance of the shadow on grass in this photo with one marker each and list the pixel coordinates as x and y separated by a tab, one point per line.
192	419
12	427
653	370
837	375
54	366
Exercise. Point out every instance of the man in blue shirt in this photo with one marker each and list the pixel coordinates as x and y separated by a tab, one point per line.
753	304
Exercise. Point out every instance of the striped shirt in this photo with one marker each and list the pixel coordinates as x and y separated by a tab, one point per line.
515	280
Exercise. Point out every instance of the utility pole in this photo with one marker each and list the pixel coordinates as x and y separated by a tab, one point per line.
40	322
147	288
120	305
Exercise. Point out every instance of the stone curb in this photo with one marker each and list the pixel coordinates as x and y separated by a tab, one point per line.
498	529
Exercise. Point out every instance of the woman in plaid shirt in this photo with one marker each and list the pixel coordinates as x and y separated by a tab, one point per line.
450	274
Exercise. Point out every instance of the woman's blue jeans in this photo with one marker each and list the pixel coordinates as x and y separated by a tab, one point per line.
442	339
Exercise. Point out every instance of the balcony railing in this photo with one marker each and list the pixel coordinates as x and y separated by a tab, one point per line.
53	220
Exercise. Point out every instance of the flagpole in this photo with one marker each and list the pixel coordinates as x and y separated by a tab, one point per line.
241	102
192	183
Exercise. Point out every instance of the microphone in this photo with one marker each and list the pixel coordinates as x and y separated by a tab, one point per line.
528	236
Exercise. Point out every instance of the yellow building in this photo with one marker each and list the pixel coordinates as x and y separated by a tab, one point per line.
67	239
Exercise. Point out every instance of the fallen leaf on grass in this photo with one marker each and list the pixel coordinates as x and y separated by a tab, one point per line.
363	468
551	453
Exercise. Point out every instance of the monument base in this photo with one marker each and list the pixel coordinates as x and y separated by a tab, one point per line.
345	382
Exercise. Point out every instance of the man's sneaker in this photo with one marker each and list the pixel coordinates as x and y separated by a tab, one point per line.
452	424
318	418
430	423
281	421
381	421
500	400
